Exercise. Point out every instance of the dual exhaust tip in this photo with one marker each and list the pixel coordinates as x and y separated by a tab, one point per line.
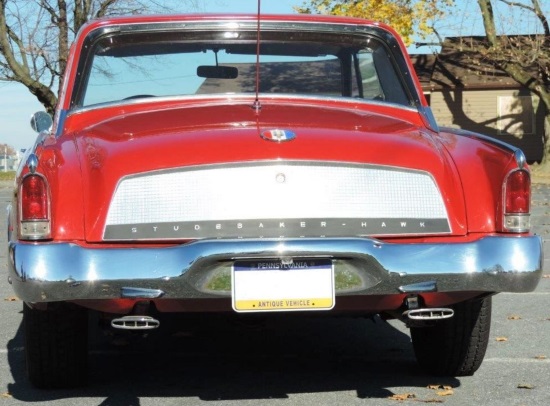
135	323
426	314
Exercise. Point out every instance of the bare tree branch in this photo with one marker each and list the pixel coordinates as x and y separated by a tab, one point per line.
104	7
536	9
51	10
35	37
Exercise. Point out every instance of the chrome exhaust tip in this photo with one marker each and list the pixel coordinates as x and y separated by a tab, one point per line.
429	314
135	323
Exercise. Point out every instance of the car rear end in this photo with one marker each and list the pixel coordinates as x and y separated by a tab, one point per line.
318	181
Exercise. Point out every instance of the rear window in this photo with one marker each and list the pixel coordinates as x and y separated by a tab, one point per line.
126	67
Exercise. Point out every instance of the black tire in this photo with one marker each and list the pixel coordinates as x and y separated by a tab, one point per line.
56	345
456	346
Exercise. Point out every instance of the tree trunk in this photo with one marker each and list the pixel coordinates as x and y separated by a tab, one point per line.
63	40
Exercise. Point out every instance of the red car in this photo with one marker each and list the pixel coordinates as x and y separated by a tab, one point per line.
216	163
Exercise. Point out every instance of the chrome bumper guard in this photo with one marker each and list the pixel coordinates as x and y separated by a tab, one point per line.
44	272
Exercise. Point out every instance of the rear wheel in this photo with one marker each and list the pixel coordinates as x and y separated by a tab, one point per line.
455	347
56	345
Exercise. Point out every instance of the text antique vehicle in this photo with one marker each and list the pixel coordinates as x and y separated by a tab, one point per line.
208	162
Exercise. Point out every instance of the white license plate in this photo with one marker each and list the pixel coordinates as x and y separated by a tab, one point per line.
274	285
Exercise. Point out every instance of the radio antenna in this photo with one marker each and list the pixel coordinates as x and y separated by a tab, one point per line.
257	106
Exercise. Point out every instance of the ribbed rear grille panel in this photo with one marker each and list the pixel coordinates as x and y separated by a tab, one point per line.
249	193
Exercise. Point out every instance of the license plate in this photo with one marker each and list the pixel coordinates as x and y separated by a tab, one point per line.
275	285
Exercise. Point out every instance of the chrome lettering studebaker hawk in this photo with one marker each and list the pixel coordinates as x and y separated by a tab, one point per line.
183	173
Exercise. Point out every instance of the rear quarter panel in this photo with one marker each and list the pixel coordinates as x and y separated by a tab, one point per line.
59	163
482	168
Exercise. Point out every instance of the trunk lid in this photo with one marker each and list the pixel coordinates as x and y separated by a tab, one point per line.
188	166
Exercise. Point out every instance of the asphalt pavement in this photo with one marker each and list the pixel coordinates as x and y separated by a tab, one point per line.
294	360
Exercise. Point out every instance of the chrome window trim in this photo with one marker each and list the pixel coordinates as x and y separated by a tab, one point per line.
386	39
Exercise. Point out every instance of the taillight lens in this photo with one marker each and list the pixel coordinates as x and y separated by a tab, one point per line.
518	192
34	208
34	198
517	201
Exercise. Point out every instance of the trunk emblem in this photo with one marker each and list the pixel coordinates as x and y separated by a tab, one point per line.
278	135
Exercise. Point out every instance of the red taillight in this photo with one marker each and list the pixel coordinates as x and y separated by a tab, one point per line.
34	198
518	192
34	208
517	202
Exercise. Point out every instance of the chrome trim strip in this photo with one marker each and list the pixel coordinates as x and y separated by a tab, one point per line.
60	124
431	123
244	98
32	163
139	293
53	271
520	158
421	287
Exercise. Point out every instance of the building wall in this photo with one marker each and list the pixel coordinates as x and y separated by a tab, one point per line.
9	163
514	116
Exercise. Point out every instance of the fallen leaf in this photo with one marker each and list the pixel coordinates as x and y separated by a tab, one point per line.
6	395
402	396
439	386
501	339
545	276
526	386
446	392
540	357
11	299
429	400
514	317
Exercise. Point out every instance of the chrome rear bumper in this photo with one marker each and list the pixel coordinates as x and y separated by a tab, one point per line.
44	272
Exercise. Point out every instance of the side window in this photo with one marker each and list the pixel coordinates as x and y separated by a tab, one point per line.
365	81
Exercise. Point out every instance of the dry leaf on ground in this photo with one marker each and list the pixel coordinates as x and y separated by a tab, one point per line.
526	386
541	357
11	299
514	317
439	386
545	276
6	395
442	390
402	396
501	339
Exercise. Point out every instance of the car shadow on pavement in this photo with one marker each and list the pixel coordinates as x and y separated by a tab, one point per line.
224	357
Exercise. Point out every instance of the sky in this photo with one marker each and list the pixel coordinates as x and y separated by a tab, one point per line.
17	104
